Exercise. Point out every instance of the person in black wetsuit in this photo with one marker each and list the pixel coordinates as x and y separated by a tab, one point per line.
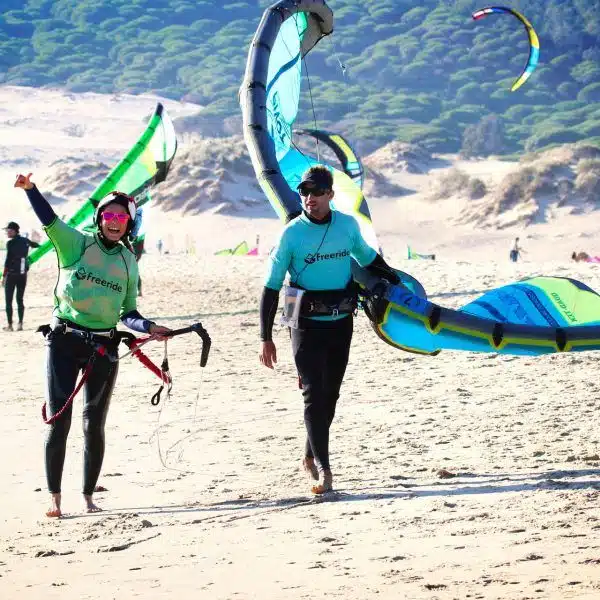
15	273
316	249
516	251
97	286
137	242
138	249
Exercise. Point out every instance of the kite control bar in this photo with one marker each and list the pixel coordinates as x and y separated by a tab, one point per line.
132	342
196	327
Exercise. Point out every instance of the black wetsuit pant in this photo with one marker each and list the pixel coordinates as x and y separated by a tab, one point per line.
15	281
67	356
321	355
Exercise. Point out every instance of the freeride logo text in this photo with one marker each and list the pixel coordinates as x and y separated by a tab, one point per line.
309	259
84	275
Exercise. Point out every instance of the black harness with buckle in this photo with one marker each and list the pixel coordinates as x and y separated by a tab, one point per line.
330	303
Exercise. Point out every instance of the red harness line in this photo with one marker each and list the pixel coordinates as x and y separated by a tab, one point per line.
86	373
101	350
135	351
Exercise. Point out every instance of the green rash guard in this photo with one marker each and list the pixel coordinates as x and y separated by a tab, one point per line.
318	256
96	285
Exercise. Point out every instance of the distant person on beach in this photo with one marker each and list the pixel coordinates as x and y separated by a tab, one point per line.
96	287
580	256
159	246
14	277
137	242
516	251
316	250
138	250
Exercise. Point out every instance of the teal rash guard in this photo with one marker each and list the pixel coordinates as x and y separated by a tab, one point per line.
318	256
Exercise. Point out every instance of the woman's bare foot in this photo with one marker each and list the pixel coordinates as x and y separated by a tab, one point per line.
308	464
54	510
89	504
325	483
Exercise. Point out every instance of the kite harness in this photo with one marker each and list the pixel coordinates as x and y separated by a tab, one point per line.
99	340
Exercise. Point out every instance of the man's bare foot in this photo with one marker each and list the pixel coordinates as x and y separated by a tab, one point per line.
308	464
325	483
54	510
90	507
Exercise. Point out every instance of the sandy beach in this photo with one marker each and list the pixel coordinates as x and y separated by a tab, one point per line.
229	514
204	493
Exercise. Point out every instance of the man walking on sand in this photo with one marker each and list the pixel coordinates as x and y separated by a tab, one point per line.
14	276
316	250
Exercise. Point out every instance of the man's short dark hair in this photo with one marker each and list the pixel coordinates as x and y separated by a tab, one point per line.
317	176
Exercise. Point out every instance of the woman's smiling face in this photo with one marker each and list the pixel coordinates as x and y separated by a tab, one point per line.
114	221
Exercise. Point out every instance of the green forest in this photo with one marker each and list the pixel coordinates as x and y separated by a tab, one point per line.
421	72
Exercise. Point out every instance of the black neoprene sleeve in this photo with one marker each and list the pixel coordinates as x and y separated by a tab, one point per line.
44	212
268	307
381	268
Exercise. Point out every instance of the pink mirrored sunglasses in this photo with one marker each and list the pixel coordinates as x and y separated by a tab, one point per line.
109	216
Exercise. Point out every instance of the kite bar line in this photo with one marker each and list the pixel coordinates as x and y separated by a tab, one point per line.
163	372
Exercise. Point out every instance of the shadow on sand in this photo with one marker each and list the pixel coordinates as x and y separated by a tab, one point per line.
463	484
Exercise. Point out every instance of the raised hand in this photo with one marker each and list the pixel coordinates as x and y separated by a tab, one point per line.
24	182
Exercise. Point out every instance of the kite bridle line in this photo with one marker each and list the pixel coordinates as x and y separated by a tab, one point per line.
164	375
312	106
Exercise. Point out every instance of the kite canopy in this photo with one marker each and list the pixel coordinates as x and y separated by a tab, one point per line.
412	255
270	92
270	96
544	301
145	165
241	249
542	315
534	42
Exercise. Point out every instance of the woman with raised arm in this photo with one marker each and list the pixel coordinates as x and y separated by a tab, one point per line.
96	287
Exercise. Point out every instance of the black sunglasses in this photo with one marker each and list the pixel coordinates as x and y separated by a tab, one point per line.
305	191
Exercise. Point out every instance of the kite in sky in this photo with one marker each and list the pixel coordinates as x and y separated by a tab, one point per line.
534	42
